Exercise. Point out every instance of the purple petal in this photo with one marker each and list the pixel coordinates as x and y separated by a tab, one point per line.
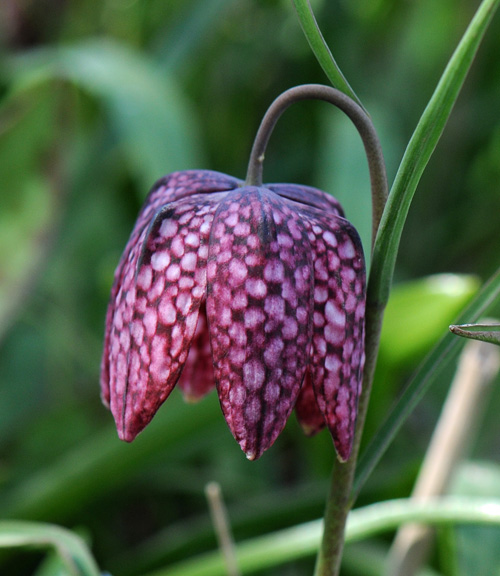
120	312
307	410
182	184
157	310
197	378
338	323
259	299
309	196
172	187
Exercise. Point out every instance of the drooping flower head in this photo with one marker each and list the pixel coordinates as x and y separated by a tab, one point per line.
256	290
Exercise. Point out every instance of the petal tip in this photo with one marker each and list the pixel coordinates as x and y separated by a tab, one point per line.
105	400
309	430
127	428
126	435
252	452
191	398
343	451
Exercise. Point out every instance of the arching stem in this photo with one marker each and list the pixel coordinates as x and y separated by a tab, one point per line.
356	114
339	499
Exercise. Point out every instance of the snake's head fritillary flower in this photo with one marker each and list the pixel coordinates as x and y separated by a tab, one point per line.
258	291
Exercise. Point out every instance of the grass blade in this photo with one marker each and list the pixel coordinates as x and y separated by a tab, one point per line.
303	540
419	151
441	356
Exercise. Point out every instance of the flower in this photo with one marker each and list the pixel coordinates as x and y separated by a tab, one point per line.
258	291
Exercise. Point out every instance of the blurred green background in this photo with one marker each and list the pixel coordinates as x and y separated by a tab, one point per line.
98	99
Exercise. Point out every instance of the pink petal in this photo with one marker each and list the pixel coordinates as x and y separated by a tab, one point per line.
309	196
172	187
164	284
338	323
197	378
258	305
307	410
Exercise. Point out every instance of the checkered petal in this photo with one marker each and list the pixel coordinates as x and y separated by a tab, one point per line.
337	355
258	306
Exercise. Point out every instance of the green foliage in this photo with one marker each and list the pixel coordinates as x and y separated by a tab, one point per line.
475	547
145	109
419	313
74	558
29	197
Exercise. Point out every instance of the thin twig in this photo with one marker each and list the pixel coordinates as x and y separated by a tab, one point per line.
222	528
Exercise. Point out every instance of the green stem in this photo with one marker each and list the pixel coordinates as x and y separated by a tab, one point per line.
335	517
420	148
356	114
338	503
320	48
340	496
415	159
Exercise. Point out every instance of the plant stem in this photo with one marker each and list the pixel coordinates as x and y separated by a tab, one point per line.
356	114
416	157
335	517
222	527
340	499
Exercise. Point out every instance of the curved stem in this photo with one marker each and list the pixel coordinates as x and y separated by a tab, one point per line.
418	152
70	548
356	114
339	500
420	149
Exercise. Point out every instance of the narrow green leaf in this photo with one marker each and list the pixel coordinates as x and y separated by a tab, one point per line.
52	565
476	549
369	558
483	332
419	151
384	516
320	48
303	540
445	352
70	548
